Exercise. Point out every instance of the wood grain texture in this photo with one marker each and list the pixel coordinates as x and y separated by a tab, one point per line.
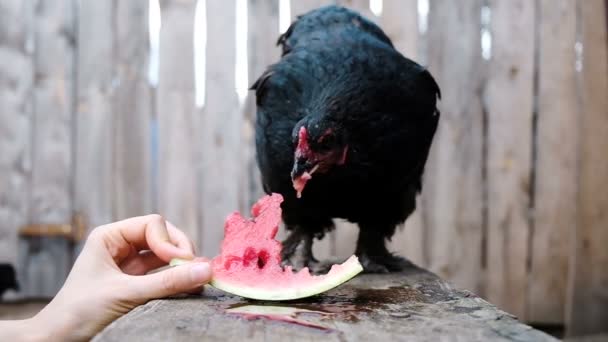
179	122
45	263
133	108
54	35
399	20
221	129
555	184
299	7
588	293
452	198
16	82
263	31
93	144
414	305
509	97
361	6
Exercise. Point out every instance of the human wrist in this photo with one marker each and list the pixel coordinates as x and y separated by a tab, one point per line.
27	330
53	324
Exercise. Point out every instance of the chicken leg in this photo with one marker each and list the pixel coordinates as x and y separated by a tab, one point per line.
297	249
372	253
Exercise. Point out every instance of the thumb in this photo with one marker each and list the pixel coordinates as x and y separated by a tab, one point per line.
173	280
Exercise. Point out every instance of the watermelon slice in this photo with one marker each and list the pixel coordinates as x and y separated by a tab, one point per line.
249	264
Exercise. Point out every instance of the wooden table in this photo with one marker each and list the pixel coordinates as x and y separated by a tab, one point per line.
413	305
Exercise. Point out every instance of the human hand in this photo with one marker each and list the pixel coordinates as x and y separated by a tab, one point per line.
109	277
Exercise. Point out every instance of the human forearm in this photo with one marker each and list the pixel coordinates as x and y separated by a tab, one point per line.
22	330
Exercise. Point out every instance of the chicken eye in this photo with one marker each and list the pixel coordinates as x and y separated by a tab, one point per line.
326	143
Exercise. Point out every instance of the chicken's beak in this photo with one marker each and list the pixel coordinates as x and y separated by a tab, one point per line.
301	166
301	173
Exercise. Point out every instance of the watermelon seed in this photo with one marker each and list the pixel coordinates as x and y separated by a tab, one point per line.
262	258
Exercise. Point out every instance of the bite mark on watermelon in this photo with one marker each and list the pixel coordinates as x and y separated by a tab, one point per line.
249	264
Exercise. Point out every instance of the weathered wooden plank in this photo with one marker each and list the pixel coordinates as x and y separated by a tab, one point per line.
587	307
555	165
452	199
221	129
263	31
52	154
410	306
361	6
53	95
46	262
299	7
508	97
16	81
93	141
399	20
179	123
133	106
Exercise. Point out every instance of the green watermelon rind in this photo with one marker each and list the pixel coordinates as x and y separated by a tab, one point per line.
348	270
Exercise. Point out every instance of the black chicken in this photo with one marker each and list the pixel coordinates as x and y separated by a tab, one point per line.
343	130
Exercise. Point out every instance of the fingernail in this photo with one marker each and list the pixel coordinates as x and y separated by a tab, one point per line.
200	273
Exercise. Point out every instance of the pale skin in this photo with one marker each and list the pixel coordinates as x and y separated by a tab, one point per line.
110	277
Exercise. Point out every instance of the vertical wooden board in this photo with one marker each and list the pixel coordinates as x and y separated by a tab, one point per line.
399	20
52	167
452	199
587	307
361	6
54	70
556	162
299	7
179	126
49	260
509	96
263	31
16	78
220	135
93	163
133	108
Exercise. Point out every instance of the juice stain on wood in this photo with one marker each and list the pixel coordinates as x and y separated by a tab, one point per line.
346	304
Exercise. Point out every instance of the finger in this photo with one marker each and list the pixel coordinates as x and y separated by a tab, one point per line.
150	232
172	281
179	238
157	237
197	290
140	263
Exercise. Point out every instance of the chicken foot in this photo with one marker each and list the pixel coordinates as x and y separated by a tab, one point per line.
297	250
373	255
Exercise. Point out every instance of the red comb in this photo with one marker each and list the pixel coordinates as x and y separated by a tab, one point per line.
303	147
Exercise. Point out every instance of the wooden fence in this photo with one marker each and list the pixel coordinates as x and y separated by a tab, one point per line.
515	201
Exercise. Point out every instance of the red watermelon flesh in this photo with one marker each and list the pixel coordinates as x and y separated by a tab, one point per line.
249	263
